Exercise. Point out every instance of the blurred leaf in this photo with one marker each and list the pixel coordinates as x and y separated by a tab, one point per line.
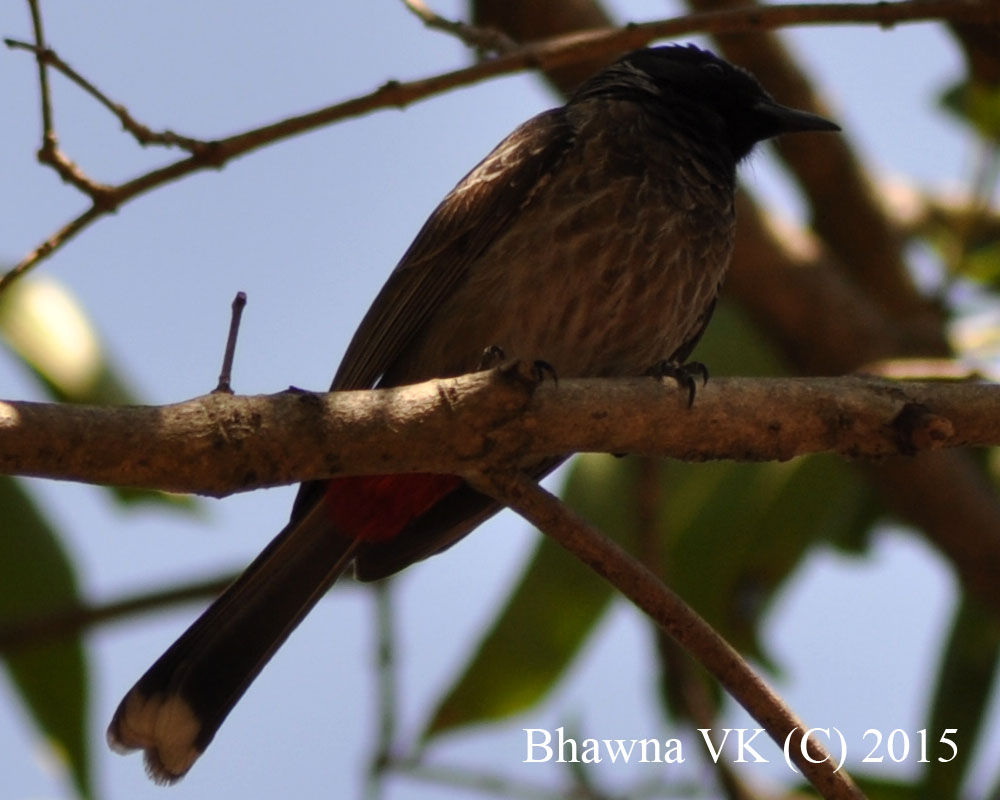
977	104
37	577
981	262
884	789
45	327
736	532
556	604
961	699
734	346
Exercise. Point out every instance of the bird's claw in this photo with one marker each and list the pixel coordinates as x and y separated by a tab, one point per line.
683	374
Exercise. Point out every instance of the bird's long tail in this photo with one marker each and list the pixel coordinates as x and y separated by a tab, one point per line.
175	709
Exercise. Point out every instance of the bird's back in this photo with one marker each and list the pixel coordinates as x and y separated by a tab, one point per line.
612	264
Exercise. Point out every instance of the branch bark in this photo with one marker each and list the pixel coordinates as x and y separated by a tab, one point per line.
219	444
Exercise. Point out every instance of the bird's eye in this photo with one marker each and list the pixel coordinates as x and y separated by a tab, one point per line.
715	70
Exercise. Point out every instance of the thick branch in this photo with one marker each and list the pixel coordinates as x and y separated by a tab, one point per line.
683	623
219	444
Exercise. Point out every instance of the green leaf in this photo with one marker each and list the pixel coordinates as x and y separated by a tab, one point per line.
556	604
977	104
37	577
964	687
46	329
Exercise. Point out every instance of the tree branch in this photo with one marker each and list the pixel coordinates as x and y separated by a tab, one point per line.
683	623
487	40
547	54
19	634
220	444
143	134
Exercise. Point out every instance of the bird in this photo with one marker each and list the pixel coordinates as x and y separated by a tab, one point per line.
592	240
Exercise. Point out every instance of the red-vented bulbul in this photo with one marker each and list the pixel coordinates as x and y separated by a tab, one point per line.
594	239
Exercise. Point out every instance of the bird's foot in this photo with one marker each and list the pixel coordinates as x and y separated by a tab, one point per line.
529	373
683	374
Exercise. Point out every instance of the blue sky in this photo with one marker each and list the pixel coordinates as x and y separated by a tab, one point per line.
309	229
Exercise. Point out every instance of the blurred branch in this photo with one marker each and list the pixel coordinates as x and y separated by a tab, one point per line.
219	444
548	54
31	632
649	594
387	695
483	39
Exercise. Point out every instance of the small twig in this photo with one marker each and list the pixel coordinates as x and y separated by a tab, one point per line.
225	376
20	634
142	133
643	588
486	40
48	131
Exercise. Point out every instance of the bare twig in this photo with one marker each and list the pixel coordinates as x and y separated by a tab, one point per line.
226	374
142	133
643	588
50	152
545	54
43	73
486	40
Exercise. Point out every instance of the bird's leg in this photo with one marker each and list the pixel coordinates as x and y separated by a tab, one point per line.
683	374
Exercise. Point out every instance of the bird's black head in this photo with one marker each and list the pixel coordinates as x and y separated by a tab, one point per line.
697	91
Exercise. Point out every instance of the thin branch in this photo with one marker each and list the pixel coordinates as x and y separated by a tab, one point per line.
486	40
644	589
39	630
48	127
226	373
546	54
143	134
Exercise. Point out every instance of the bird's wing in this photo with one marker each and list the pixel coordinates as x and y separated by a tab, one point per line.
469	218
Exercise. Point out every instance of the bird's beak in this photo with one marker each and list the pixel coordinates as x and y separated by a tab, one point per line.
790	120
